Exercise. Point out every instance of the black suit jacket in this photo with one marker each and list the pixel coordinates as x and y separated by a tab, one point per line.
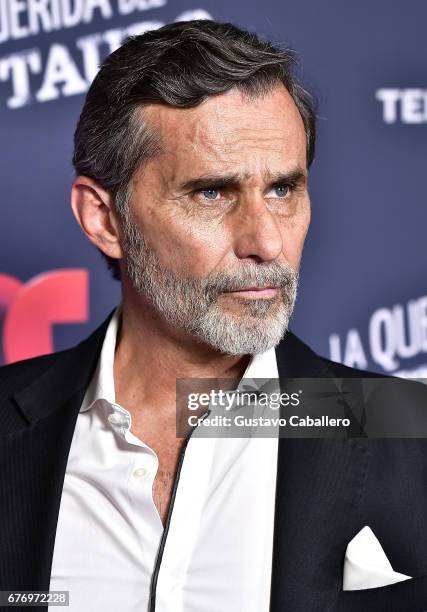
327	489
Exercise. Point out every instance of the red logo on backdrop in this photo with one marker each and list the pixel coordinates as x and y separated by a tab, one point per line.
31	308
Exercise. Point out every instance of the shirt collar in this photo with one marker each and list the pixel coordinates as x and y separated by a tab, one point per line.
261	365
102	383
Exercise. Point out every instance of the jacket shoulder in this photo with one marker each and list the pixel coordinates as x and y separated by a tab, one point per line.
302	360
14	376
342	371
79	360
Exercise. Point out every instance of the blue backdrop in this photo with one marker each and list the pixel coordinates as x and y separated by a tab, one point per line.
363	291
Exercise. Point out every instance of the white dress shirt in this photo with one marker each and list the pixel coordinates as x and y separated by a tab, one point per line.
218	549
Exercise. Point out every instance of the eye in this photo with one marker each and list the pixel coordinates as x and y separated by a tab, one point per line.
209	194
281	191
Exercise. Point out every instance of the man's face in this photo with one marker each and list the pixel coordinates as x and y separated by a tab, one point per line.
217	221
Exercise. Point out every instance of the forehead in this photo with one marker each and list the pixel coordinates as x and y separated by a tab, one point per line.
229	132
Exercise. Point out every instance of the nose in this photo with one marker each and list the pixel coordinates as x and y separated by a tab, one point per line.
257	234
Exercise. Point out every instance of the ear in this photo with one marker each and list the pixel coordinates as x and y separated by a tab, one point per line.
93	207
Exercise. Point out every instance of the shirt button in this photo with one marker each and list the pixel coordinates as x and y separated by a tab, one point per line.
117	419
139	473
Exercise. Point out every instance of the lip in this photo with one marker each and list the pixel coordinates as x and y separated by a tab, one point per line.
255	292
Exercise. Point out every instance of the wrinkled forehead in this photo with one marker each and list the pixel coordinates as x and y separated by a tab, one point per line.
230	132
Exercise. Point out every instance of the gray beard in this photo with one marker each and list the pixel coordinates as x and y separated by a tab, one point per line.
192	304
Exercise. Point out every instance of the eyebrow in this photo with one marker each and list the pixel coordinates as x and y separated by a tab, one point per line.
222	181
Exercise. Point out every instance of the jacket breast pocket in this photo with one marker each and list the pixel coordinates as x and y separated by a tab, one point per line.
406	596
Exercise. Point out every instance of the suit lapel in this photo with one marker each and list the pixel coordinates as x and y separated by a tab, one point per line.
33	461
319	487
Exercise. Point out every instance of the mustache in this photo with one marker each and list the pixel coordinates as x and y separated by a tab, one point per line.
277	275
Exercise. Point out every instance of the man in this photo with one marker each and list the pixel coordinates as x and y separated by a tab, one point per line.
191	155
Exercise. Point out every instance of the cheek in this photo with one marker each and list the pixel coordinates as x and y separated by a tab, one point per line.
199	254
294	235
187	248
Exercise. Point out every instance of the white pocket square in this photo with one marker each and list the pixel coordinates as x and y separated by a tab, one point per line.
366	565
